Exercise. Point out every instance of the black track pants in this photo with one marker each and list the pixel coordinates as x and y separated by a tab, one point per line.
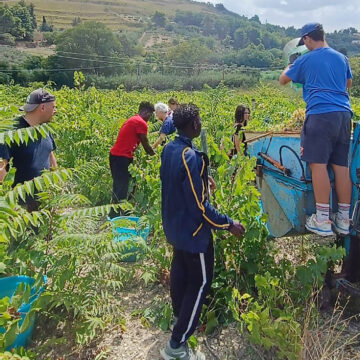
190	280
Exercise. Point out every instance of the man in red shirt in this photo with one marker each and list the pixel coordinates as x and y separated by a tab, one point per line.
132	132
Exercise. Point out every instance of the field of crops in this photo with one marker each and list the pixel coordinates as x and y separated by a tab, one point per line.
258	289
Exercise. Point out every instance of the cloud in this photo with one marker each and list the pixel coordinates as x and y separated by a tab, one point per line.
334	15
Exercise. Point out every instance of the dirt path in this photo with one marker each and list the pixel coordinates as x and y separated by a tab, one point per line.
143	343
138	341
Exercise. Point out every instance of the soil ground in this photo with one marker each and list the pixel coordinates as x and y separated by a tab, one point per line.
138	340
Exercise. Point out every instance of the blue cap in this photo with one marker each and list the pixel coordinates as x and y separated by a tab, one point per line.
307	29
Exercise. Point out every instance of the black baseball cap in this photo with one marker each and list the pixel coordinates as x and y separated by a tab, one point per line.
307	29
37	97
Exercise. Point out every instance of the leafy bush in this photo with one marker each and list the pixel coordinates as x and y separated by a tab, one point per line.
7	39
160	81
355	67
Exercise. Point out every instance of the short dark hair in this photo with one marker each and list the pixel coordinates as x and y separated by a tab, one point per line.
184	115
317	35
146	106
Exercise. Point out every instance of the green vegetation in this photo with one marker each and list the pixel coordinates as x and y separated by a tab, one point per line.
355	67
70	241
17	22
192	41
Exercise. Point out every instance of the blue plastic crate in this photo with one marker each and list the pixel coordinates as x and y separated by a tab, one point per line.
8	286
128	236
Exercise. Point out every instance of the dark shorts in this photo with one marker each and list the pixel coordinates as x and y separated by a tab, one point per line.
325	138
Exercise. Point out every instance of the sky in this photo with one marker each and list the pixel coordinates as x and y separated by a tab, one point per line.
333	14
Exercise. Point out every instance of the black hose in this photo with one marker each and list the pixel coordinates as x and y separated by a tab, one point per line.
303	178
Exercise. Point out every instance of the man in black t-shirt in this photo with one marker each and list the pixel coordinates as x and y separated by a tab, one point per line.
31	158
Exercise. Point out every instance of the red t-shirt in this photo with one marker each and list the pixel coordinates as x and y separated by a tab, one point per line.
128	137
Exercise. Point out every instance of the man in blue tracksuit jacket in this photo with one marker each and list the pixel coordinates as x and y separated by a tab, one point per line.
188	219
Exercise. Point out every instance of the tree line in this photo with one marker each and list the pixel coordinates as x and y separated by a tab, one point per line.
208	45
17	22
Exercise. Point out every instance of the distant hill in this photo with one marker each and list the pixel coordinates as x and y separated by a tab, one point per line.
116	14
139	43
178	19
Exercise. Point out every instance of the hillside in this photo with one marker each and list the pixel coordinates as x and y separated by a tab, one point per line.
158	39
178	20
116	14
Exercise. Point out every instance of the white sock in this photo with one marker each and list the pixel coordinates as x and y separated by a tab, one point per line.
322	212
343	211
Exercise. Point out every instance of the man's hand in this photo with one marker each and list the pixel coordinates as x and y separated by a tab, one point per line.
3	164
237	229
301	151
212	184
53	162
283	78
145	143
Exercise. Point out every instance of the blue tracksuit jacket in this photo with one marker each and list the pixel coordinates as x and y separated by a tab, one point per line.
187	215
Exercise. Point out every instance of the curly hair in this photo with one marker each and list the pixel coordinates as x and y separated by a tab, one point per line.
146	106
184	115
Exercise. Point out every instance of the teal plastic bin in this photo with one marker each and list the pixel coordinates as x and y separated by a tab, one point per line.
132	239
8	286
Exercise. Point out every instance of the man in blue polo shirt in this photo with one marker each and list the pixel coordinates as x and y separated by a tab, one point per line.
325	138
188	219
31	158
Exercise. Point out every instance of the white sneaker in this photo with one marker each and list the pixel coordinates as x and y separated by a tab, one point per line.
322	228
341	226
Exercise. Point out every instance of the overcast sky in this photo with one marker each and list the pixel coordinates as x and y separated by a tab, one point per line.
333	14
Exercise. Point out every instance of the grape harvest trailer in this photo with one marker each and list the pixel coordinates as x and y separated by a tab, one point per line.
284	182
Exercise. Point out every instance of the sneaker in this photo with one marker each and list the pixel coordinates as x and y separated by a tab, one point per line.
181	353
173	322
322	228
341	226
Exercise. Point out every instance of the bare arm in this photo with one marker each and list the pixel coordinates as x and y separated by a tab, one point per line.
237	143
53	163
145	143
283	79
3	164
160	139
348	83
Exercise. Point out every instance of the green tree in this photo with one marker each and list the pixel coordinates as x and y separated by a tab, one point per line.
189	53
254	35
9	23
208	25
240	39
355	67
45	27
31	8
130	45
159	19
94	39
27	17
188	17
270	40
